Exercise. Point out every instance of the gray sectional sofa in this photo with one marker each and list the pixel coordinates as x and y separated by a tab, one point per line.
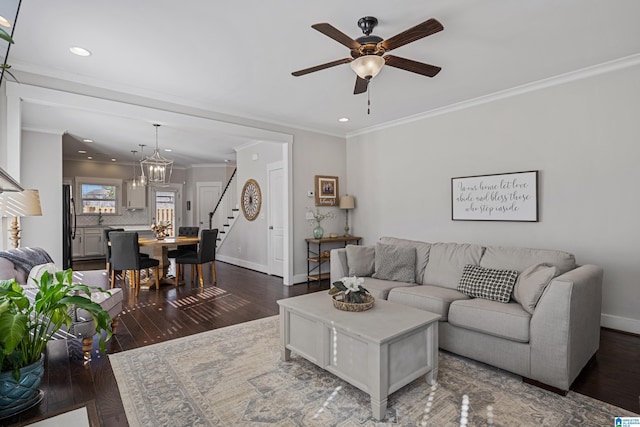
547	330
83	325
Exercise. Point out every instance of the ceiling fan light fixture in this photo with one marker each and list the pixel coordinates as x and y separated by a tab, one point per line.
367	66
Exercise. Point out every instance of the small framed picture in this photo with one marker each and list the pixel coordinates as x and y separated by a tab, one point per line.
326	190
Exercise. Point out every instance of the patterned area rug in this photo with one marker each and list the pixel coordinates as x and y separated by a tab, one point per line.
234	377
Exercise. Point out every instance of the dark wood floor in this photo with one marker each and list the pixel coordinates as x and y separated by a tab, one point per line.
243	295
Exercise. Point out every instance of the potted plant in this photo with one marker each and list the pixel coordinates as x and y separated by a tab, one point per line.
5	36
315	218
348	294
27	325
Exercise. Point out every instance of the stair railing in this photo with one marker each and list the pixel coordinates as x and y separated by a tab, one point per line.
213	212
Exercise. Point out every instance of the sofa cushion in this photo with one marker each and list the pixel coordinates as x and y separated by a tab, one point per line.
361	260
513	258
434	299
508	321
487	283
447	261
379	288
36	272
531	283
9	271
395	263
422	253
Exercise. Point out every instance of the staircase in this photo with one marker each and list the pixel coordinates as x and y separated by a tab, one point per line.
222	234
231	217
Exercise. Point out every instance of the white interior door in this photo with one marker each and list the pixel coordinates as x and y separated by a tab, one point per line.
276	242
208	195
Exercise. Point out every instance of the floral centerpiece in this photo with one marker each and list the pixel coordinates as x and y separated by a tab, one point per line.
315	218
161	229
348	294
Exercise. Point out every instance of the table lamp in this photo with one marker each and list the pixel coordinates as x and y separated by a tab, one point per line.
19	204
347	203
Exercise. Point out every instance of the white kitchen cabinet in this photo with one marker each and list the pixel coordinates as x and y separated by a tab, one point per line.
93	242
136	196
77	247
88	243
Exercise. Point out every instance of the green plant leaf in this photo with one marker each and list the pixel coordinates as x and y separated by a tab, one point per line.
5	36
340	285
13	328
334	291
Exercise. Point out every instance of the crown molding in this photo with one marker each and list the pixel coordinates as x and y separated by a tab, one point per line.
584	73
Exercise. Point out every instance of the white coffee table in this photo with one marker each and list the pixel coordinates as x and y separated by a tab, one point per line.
379	350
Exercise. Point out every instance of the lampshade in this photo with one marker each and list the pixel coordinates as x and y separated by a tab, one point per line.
347	202
7	183
367	66
24	203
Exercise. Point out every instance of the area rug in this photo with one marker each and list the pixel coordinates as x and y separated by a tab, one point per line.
234	377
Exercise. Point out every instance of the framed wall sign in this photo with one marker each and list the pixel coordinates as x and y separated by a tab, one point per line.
326	190
499	197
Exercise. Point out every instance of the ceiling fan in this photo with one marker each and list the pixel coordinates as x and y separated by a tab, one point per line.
366	51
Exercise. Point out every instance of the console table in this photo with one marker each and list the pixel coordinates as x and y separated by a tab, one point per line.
315	258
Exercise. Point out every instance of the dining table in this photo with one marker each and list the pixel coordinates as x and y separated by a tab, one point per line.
160	251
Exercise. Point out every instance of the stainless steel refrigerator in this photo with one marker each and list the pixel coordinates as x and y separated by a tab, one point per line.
68	226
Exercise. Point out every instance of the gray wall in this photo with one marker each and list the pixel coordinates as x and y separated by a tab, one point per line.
41	168
247	242
582	135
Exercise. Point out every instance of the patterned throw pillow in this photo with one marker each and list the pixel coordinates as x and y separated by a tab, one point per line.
480	282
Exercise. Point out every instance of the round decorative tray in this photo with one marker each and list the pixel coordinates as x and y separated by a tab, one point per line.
352	306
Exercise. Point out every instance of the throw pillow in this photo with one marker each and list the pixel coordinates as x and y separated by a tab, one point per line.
480	282
36	273
361	260
396	263
531	284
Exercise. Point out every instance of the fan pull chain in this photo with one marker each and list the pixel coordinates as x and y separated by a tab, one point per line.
368	99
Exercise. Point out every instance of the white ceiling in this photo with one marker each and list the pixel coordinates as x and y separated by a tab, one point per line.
237	57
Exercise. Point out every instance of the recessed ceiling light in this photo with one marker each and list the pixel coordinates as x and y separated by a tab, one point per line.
343	119
4	22
80	51
168	150
87	140
113	160
82	151
90	158
226	160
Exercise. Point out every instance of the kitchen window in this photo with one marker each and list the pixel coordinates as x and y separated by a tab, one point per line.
98	196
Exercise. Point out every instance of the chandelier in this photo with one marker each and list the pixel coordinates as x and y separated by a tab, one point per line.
156	170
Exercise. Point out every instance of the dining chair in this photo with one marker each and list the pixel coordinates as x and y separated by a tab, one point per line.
107	247
125	256
206	253
107	250
184	231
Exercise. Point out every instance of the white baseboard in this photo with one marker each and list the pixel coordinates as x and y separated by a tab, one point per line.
299	278
620	323
242	263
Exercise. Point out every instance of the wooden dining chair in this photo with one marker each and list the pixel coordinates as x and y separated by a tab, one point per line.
125	256
206	253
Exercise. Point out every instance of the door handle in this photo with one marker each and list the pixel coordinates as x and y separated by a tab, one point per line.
271	227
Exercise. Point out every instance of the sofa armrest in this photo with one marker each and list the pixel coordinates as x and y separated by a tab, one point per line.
96	278
565	326
339	266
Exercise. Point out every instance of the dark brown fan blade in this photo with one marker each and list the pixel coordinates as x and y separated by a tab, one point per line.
331	31
322	67
413	66
361	85
425	29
